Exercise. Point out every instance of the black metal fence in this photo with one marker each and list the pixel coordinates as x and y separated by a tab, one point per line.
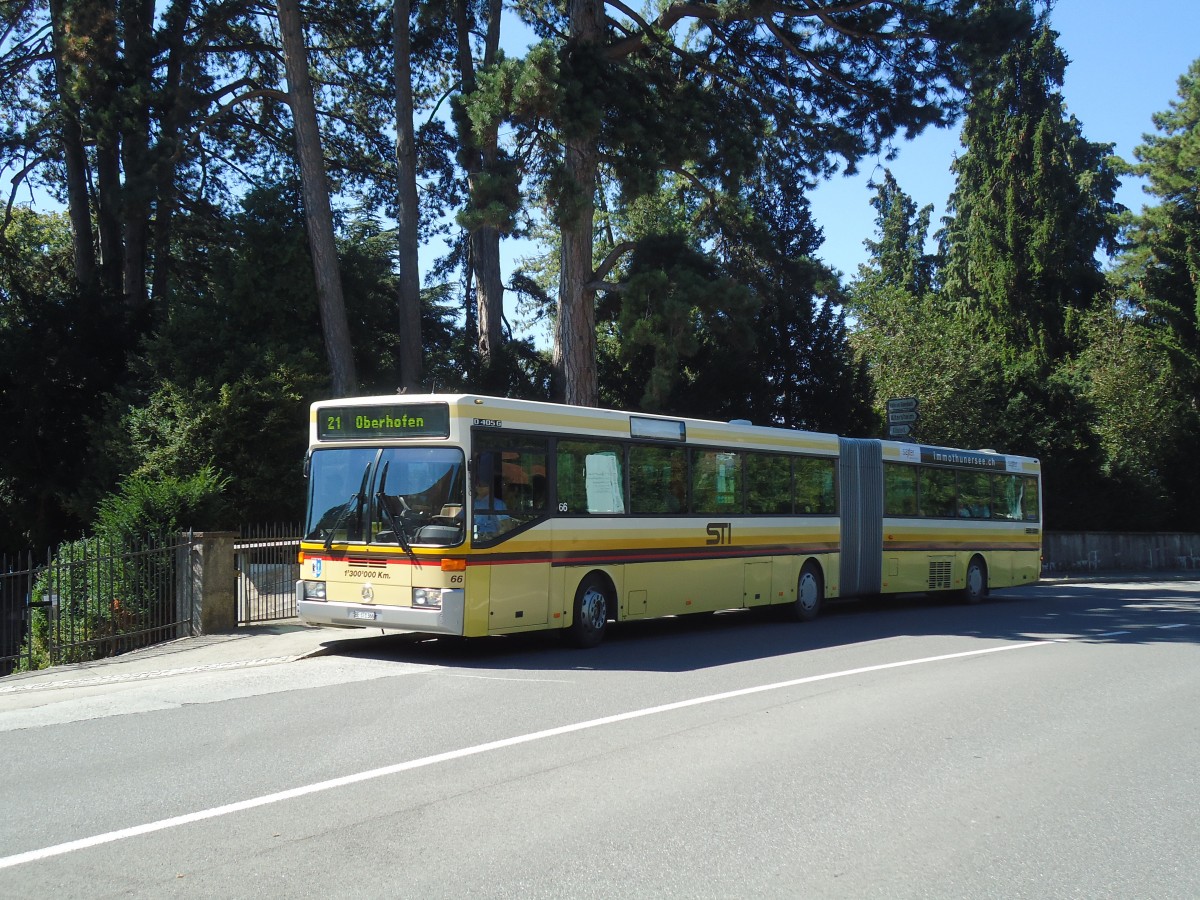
92	599
268	568
16	592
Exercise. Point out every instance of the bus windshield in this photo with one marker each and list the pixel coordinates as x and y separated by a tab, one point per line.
405	496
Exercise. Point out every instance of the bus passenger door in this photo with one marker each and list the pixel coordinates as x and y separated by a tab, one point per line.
509	516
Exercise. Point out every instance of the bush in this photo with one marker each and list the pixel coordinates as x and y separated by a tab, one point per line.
114	592
145	505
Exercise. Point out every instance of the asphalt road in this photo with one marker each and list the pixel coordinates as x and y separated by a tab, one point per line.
1045	744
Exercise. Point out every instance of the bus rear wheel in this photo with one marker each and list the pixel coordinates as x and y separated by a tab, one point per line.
810	591
976	588
593	601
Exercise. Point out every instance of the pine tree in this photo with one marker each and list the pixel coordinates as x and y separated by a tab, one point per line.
1160	272
1033	202
898	258
1144	358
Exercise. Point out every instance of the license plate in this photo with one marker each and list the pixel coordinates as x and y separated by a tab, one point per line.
364	614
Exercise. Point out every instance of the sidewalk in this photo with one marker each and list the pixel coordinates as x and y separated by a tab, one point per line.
289	640
284	641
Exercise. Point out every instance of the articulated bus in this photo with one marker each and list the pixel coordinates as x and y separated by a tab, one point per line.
473	516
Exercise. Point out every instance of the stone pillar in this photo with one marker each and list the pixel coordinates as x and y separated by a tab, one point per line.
213	582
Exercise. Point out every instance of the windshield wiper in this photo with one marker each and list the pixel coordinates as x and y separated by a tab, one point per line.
358	500
386	511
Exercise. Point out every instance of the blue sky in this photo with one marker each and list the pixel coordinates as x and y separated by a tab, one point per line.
1125	60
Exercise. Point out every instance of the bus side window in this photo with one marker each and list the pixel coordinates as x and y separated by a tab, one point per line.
1029	499
716	482
1016	498
509	474
899	490
768	484
937	493
815	493
657	479
975	495
590	478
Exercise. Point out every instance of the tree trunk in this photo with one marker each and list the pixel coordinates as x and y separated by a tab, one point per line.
408	216
489	292
575	329
481	157
575	379
137	19
99	26
317	212
167	190
74	158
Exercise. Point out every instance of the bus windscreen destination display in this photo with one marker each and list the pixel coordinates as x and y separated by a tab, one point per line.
393	420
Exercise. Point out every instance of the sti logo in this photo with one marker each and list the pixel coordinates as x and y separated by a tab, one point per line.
316	568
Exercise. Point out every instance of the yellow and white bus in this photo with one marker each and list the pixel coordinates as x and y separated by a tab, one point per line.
470	515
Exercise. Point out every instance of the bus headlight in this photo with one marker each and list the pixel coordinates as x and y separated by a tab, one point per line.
427	598
314	590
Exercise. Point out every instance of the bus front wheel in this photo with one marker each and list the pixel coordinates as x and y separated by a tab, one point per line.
593	601
810	591
976	588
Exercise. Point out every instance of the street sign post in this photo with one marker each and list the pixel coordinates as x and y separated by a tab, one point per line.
902	414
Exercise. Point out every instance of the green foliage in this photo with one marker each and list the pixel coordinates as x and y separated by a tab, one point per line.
1033	203
1144	354
252	428
61	348
747	329
161	505
916	347
495	199
801	372
675	298
1160	269
227	379
898	258
1146	421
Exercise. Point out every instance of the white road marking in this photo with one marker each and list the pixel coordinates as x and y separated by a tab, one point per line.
18	859
500	678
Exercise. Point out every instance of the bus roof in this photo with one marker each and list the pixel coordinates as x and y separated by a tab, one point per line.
476	410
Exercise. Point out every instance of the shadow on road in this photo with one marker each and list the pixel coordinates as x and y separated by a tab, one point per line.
1093	613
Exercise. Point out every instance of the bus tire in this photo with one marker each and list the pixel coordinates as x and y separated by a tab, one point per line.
593	603
976	587
810	592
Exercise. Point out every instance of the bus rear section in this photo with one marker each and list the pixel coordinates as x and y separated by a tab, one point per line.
964	521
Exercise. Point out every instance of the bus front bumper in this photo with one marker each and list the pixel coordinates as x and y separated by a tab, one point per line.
447	620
